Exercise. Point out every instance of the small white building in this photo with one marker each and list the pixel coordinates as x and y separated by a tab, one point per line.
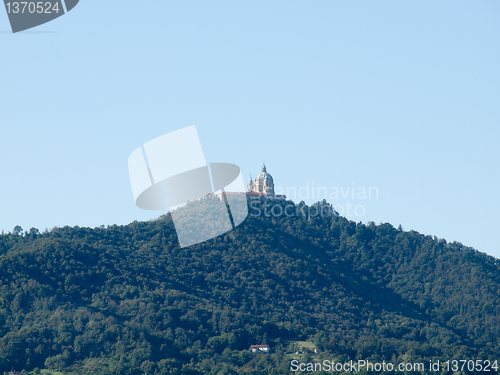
260	348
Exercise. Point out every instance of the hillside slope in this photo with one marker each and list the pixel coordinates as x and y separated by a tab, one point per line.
128	300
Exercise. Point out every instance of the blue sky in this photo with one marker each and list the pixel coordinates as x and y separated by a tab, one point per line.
402	96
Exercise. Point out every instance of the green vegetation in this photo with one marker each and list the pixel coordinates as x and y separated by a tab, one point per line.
127	300
303	345
51	372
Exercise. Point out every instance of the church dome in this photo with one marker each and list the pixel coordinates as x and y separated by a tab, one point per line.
264	177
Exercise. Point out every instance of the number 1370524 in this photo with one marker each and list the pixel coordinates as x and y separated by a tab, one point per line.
32	7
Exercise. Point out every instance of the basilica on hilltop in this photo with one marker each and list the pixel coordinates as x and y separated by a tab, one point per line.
264	185
263	188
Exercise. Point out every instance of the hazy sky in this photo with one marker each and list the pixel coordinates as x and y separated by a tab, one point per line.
401	96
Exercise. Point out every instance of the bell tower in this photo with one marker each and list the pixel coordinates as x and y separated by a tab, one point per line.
250	185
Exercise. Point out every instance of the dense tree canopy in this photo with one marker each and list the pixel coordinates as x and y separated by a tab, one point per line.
128	300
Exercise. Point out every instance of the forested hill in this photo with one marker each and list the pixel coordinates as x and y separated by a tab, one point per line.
128	300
